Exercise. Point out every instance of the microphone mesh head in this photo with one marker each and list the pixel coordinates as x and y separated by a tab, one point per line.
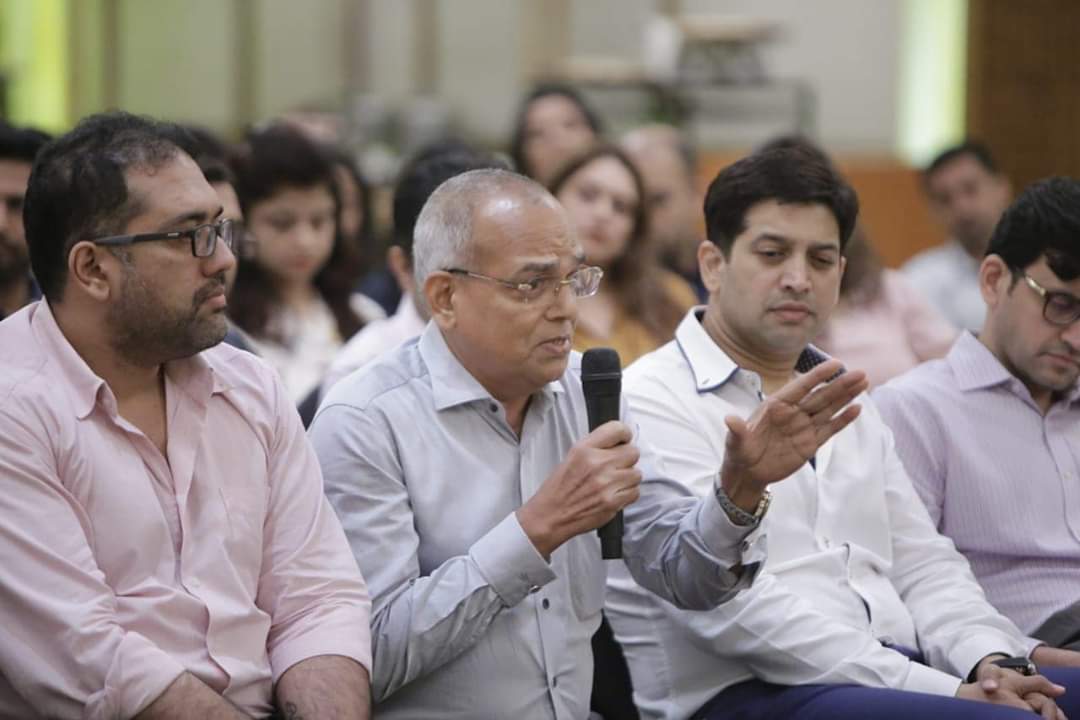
600	361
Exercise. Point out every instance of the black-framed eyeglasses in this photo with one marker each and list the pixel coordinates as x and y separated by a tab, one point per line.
203	237
1059	308
583	282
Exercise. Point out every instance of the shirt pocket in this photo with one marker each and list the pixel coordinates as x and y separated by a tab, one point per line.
587	576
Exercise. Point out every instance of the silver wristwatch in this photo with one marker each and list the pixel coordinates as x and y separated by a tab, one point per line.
736	513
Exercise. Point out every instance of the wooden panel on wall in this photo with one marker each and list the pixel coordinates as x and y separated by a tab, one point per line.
1023	92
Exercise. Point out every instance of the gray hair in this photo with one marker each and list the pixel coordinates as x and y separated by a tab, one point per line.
443	235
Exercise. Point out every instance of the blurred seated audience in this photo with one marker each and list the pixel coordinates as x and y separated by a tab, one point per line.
469	485
294	299
967	193
168	552
553	124
356	223
991	434
668	165
881	325
863	610
419	178
18	147
639	303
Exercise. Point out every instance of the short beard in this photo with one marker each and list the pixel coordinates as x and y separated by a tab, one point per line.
145	332
14	262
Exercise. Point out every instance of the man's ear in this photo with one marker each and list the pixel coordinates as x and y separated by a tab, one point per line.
711	262
439	295
995	279
93	270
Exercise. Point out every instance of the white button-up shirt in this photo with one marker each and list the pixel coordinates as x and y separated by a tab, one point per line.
854	560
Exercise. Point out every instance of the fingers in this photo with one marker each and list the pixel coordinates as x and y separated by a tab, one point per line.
1044	706
801	386
1026	685
608	435
838	423
828	399
737	431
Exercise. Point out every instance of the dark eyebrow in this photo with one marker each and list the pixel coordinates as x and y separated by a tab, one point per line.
195	216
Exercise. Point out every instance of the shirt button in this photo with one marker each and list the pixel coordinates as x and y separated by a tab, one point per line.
493	407
545	604
555	682
534	589
825	543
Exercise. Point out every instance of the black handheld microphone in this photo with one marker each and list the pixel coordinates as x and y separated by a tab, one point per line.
601	381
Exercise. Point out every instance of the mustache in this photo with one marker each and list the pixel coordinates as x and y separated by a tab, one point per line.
215	287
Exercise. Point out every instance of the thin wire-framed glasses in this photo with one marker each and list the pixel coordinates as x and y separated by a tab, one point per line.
583	282
203	237
1059	308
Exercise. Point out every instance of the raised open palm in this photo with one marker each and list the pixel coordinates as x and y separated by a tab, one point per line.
788	428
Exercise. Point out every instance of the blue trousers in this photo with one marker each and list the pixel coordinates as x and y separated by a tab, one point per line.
756	700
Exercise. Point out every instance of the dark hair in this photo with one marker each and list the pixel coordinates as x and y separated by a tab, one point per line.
428	169
517	137
1044	220
212	154
798	142
862	279
788	175
276	158
78	190
969	148
635	275
21	143
364	242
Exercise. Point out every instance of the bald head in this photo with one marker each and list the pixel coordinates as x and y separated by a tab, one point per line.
668	169
444	234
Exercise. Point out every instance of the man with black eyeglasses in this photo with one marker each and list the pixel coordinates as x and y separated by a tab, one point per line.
18	146
167	550
469	485
990	434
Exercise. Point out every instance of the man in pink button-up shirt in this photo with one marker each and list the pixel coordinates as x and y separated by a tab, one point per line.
166	549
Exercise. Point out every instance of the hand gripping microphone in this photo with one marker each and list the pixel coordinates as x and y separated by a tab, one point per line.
601	381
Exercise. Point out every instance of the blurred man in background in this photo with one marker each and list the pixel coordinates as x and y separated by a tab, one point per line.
18	147
668	166
967	193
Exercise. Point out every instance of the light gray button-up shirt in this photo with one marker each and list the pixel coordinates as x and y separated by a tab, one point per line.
470	621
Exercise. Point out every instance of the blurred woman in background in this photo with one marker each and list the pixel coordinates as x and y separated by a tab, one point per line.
881	325
294	298
639	304
553	124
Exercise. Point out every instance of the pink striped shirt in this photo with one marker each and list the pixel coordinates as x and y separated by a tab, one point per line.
999	478
121	567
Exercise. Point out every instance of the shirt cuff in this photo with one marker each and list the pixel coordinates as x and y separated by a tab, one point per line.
348	636
925	679
967	653
140	672
732	544
512	565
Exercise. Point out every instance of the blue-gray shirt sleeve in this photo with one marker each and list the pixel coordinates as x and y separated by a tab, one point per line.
419	622
682	547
